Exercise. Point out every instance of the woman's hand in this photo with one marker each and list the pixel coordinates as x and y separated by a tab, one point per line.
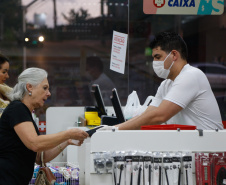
75	142
78	134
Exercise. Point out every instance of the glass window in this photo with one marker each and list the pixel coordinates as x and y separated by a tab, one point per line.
72	40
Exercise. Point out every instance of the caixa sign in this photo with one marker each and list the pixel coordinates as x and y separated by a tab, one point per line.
188	7
175	3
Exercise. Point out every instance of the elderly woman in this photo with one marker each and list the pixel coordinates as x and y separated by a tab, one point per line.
4	89
20	142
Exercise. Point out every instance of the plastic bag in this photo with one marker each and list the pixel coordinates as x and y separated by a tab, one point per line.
133	107
132	104
143	107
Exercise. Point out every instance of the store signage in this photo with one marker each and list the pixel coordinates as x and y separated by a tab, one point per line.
188	7
118	52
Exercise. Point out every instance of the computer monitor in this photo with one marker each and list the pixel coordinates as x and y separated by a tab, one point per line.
99	100
117	106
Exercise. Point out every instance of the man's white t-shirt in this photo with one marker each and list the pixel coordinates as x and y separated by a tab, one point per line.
191	91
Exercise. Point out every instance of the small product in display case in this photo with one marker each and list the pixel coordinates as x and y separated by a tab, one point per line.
65	173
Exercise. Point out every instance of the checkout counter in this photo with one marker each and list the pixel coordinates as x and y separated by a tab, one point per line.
62	118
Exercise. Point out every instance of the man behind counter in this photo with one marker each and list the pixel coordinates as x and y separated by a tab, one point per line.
184	97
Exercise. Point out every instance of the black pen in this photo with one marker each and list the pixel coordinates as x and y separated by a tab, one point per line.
167	180
179	174
149	174
160	175
114	177
139	175
121	168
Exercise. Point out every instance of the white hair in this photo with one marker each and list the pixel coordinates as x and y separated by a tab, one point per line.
33	76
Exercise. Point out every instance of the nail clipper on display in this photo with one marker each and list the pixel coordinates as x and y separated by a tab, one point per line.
176	168
148	167
187	169
157	168
137	163
129	169
210	168
168	169
103	162
118	171
219	169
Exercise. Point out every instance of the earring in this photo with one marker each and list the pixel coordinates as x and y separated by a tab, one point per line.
29	93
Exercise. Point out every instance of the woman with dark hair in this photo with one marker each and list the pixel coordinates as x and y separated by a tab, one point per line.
4	89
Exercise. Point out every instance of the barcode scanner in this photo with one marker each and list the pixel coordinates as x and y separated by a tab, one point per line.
92	131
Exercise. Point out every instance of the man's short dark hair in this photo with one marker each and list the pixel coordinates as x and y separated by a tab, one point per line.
169	41
95	62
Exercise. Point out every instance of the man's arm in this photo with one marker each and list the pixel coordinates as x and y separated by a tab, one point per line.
152	116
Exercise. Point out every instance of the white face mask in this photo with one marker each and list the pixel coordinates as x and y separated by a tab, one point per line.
159	69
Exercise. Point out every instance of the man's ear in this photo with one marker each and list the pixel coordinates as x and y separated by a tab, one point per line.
29	87
176	55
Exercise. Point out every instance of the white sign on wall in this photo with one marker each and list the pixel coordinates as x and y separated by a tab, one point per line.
118	52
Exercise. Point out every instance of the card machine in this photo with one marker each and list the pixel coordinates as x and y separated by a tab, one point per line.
92	131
